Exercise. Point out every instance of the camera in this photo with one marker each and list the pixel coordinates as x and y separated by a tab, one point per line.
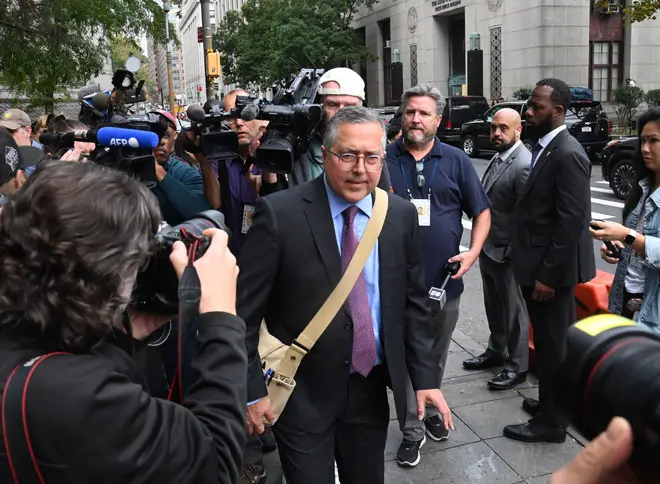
612	368
155	289
292	123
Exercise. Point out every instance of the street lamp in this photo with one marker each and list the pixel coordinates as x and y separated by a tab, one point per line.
168	57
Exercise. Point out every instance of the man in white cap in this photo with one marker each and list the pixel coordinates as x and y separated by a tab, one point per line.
18	123
339	87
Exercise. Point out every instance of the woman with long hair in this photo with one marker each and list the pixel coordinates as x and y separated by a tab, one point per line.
635	292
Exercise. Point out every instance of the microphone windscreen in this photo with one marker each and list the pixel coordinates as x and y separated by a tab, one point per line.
127	138
100	101
250	112
196	113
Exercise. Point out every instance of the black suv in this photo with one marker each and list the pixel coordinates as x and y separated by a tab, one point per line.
459	110
616	163
585	120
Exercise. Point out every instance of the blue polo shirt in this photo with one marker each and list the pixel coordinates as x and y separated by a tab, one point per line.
455	189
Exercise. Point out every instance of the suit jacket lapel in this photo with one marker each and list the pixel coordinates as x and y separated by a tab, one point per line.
317	212
544	157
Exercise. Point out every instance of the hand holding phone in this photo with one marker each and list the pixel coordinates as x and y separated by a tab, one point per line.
614	251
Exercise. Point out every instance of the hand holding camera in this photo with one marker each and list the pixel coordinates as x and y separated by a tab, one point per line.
217	272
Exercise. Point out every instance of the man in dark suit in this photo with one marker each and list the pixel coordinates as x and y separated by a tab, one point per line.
504	181
552	249
290	263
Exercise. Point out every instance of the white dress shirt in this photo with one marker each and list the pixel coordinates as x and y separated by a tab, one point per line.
545	140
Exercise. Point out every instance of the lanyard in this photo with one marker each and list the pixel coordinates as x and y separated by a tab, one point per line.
405	180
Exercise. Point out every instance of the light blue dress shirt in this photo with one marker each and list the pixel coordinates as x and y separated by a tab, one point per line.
372	267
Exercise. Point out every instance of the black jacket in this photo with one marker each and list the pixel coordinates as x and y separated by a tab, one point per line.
551	242
290	264
91	420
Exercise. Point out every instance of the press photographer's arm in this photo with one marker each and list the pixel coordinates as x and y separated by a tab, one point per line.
90	418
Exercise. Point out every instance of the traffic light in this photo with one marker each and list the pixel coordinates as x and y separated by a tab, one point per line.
213	64
200	35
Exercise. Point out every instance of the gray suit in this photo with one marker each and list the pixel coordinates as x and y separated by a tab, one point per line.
505	307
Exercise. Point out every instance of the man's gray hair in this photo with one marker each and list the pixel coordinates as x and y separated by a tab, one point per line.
351	115
428	91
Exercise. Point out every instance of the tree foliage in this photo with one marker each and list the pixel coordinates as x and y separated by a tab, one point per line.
50	46
625	101
269	40
653	97
523	93
638	11
121	48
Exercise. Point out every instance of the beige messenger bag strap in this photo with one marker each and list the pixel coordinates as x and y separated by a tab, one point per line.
310	335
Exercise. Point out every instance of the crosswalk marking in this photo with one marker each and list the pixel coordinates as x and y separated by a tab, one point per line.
603	182
608	203
601	190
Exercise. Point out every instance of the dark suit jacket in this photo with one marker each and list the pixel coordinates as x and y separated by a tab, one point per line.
551	243
290	264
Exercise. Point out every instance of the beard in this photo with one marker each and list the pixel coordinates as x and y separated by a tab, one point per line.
417	137
502	147
543	128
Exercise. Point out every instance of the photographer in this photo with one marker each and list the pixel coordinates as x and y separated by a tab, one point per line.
180	187
72	241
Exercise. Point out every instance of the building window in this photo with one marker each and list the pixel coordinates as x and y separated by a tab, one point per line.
413	65
496	63
605	69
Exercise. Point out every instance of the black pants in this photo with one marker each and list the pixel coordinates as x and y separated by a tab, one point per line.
356	440
550	321
253	450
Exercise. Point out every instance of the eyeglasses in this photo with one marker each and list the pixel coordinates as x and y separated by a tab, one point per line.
348	161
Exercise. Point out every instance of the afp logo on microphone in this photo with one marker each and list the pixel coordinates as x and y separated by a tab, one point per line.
124	143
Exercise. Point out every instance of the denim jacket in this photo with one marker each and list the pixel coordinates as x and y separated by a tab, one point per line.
649	313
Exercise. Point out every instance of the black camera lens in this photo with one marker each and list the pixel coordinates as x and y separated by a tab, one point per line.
612	368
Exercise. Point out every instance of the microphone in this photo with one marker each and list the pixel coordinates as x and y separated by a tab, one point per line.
127	138
196	113
250	112
108	136
100	101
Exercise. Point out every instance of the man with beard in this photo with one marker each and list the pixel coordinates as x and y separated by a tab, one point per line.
442	181
552	250
503	181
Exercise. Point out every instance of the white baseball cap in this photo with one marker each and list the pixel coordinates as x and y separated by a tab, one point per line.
350	83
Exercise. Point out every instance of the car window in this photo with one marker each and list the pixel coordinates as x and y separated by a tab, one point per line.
491	112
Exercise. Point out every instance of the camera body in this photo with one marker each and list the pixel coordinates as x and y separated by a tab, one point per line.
292	118
156	287
137	162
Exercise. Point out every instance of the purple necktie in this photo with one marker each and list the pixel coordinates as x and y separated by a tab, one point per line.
364	341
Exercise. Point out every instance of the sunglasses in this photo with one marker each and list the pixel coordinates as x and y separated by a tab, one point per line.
419	168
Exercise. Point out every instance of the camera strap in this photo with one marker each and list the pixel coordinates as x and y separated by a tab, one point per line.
20	454
190	293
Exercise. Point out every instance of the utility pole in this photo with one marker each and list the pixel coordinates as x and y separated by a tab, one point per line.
168	58
208	46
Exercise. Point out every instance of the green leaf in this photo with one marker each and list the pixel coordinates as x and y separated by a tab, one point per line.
270	40
50	46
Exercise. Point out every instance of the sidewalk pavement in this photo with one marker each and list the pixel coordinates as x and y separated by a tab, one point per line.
476	452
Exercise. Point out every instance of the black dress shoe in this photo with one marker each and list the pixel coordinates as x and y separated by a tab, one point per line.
535	431
531	406
505	380
482	361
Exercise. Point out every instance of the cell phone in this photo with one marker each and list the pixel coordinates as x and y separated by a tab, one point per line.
612	249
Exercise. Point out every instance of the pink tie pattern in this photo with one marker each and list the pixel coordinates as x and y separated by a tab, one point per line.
364	341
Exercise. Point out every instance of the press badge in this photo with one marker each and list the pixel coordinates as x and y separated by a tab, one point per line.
248	213
423	207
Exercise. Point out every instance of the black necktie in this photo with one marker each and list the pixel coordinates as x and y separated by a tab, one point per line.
535	152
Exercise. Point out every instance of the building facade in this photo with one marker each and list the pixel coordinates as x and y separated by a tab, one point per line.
522	41
157	56
192	51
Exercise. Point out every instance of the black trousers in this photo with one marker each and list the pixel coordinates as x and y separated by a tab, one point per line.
356	439
550	321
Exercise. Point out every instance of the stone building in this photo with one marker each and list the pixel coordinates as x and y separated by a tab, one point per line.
522	41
